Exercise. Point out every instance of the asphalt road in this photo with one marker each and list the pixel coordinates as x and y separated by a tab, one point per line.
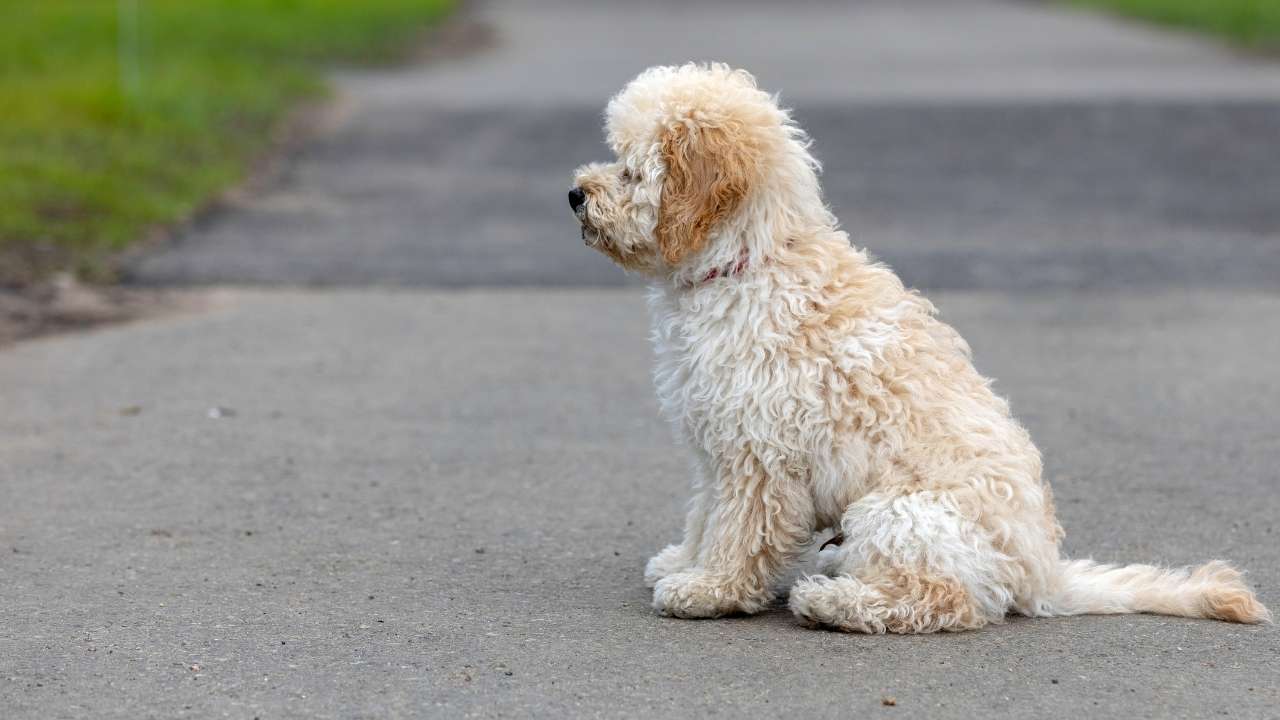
1097	194
427	486
970	144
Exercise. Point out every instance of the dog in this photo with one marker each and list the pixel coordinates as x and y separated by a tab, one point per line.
817	392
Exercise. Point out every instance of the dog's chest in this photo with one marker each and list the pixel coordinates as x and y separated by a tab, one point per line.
722	400
737	376
729	375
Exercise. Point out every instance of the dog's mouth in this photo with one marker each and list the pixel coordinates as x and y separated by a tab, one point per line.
591	237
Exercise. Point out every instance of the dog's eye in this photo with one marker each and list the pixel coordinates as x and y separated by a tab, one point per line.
626	175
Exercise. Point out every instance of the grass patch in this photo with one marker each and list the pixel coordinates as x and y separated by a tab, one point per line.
1253	24
119	115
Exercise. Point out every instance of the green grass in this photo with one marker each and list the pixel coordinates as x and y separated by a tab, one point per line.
1253	24
109	127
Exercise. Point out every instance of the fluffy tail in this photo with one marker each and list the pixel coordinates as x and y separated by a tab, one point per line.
1213	590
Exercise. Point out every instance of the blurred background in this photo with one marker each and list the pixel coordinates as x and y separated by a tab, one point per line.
971	144
381	441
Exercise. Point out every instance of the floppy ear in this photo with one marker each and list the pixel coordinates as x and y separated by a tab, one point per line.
706	180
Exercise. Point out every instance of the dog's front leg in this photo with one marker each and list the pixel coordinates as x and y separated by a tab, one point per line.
684	555
752	523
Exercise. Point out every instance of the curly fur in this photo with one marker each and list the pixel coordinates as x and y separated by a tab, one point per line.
817	392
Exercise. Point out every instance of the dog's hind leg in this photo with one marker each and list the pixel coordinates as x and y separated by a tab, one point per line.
886	599
909	563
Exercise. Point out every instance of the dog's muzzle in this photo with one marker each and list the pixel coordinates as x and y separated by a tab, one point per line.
578	203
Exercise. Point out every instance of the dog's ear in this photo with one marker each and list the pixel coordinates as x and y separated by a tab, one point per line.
706	180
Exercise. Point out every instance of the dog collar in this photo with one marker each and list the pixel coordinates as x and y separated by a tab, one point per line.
736	270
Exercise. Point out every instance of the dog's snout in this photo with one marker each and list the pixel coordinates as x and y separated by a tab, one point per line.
576	198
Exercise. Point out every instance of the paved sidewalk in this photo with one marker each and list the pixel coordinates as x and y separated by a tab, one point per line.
438	505
429	483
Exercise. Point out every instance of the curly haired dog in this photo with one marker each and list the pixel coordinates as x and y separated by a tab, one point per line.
817	392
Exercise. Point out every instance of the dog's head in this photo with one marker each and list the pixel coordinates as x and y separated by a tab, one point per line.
709	170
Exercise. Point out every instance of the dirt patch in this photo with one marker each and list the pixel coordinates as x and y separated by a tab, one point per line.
461	35
63	304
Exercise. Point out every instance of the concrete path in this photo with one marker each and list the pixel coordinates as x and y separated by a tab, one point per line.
438	505
435	500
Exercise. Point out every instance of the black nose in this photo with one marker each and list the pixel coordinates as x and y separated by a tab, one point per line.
576	198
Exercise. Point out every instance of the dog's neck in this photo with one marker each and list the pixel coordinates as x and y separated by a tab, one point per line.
736	269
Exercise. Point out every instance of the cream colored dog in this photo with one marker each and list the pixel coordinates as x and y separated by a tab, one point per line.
817	392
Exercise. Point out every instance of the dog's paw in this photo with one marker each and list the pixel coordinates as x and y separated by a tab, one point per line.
700	595
832	602
671	560
690	595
